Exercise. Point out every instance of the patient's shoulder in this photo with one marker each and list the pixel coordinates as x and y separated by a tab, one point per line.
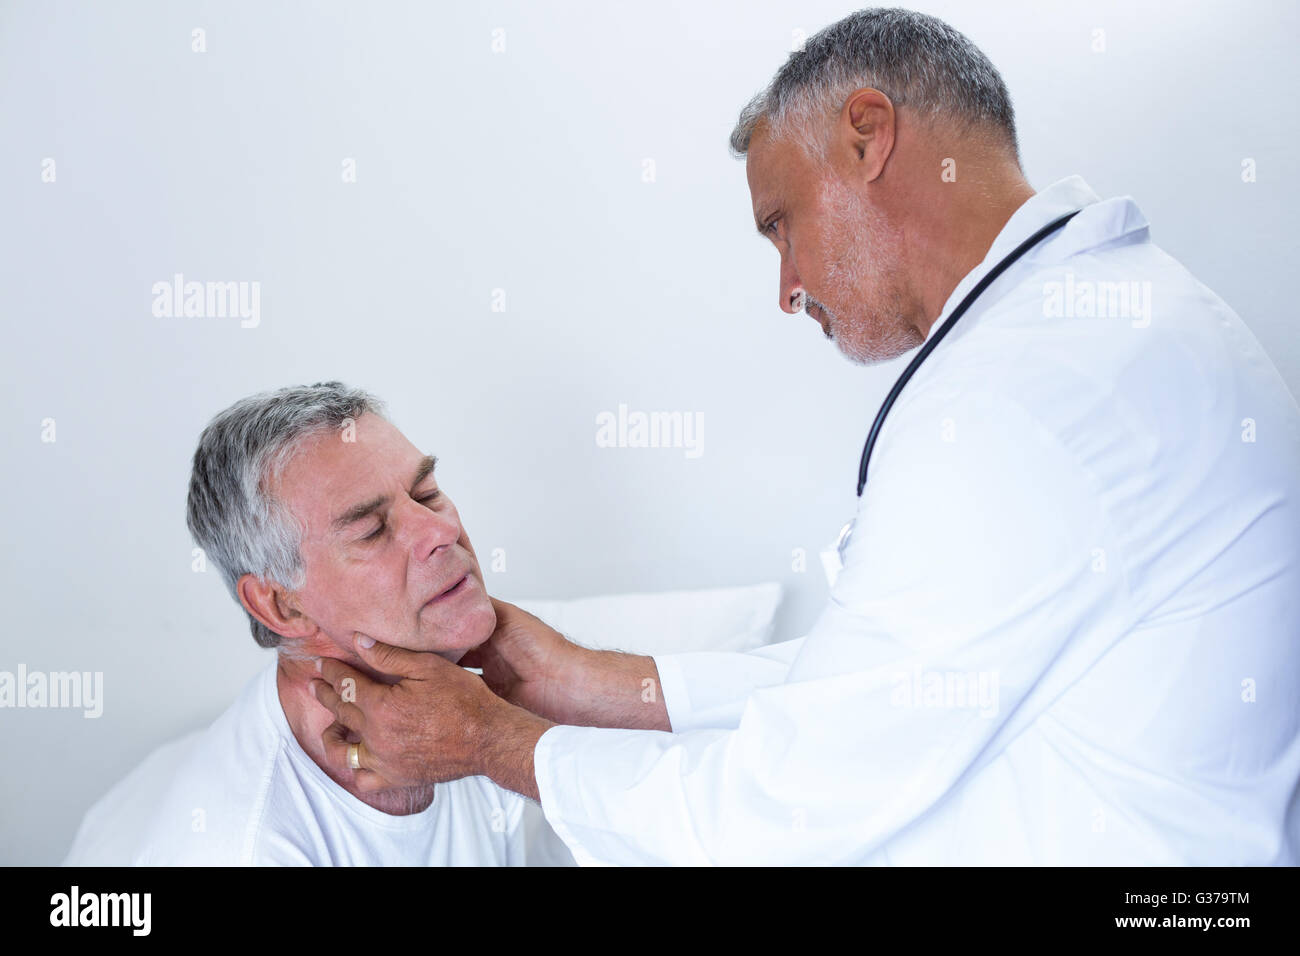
210	811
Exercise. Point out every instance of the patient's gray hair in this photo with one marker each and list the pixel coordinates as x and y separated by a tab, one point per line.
918	61
240	526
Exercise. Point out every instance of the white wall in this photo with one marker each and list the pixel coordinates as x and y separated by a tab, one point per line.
522	171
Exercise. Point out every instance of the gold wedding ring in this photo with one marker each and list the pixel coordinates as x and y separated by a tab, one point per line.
354	756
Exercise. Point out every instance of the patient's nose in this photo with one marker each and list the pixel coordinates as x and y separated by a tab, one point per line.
431	530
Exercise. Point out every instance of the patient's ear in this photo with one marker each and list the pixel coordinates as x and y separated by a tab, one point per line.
272	606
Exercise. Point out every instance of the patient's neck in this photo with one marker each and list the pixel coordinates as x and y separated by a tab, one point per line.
308	720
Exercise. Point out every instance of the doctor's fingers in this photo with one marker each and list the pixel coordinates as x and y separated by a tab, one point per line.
345	711
348	682
337	740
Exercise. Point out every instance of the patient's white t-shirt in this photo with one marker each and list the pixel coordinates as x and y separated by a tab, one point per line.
248	794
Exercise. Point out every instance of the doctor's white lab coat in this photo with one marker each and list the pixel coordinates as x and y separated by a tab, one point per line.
1067	630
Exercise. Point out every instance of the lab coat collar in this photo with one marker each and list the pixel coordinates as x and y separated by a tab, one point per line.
1099	221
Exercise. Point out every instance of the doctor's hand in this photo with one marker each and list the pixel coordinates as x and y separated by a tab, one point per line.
439	722
530	664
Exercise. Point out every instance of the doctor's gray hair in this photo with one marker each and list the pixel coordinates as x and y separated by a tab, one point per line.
918	61
242	453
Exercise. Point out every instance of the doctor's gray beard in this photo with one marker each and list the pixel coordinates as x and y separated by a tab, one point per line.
864	337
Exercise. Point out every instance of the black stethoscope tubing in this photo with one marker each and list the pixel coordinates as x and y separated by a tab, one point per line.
935	339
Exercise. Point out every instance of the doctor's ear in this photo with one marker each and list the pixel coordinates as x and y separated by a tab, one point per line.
273	607
864	135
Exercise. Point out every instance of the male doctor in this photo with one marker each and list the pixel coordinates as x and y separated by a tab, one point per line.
1067	625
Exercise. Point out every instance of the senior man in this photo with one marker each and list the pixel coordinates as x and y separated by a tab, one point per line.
323	518
1067	625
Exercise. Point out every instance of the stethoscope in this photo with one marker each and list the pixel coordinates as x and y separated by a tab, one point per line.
846	533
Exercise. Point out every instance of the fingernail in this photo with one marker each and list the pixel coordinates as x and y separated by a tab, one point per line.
318	666
363	641
312	687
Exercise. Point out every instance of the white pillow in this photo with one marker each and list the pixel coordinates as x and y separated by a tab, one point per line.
667	622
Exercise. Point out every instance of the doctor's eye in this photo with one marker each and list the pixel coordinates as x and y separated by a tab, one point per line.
431	496
376	533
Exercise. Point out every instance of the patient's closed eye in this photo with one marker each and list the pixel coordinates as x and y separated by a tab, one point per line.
423	499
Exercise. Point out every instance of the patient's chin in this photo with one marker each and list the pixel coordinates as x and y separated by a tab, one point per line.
467	631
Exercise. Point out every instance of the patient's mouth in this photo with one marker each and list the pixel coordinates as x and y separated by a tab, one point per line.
458	588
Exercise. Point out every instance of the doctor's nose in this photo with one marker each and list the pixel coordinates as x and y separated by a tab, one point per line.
792	291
